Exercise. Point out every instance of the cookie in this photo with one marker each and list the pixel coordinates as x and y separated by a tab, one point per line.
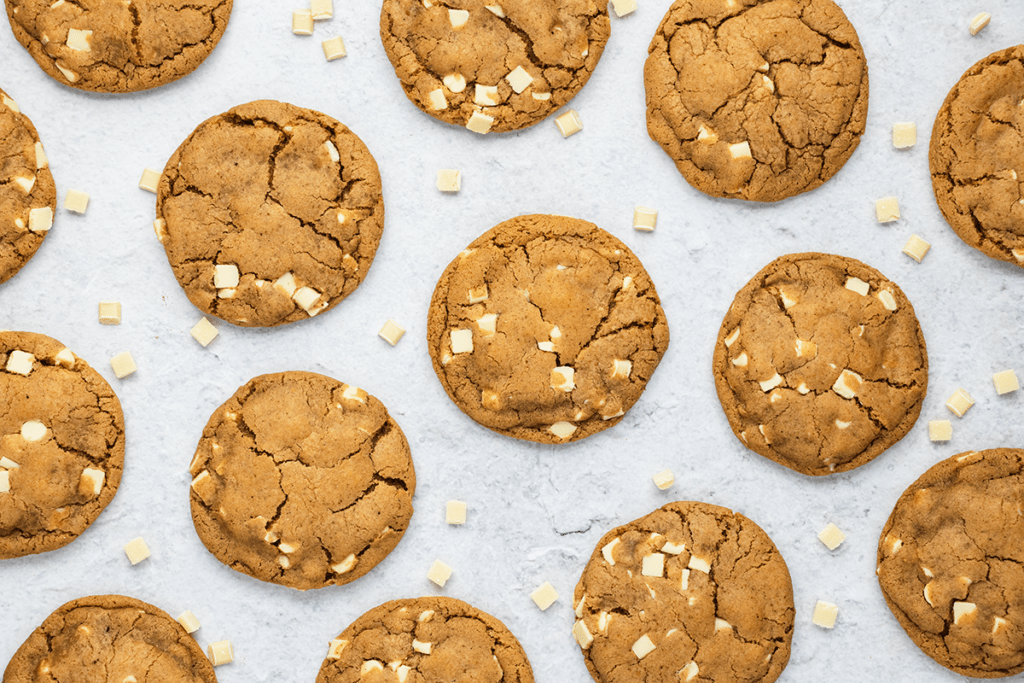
976	156
433	640
756	99
61	444
506	64
820	364
951	562
690	592
114	46
545	328
28	197
301	480
270	213
109	638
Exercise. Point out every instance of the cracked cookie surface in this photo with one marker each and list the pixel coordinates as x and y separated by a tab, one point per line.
820	363
426	640
114	46
270	213
61	444
976	156
546	328
756	99
457	57
690	592
109	638
25	184
301	480
951	562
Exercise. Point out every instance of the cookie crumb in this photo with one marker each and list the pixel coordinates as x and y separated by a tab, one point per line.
1005	381
391	332
136	550
887	209
204	332
110	312
644	218
220	652
916	248
189	622
455	512
123	365
439	573
302	22
150	180
478	123
940	430
76	200
825	614
321	9
960	402
979	22
664	479
449	180
569	123
623	7
544	595
40	219
334	48
904	135
831	536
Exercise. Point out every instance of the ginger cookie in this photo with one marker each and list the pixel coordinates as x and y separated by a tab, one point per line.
270	213
820	364
690	592
432	639
951	562
301	480
976	156
61	444
493	65
756	99
114	46
28	196
109	638
546	328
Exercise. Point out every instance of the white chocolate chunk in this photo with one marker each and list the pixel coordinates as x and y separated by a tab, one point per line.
286	284
767	83
916	248
569	123
519	79
205	487
608	551
722	625
904	135
603	619
76	200
496	10
438	101
68	73
643	646
425	616
831	536
960	402
225	275
321	9
887	209
160	229
562	378
449	180
25	183
486	95
579	607
478	294
352	393
20	362
439	573
421	647
847	384
825	614
653	565
1005	382
78	40
644	218
684	579
770	383
543	96
544	595
733	336
621	369
91	482
335	648
302	22
623	7
455	83
7	463
672	548
979	22
806	349
887	299
41	160
189	621
204	332
458	18
345	565
802	389
699	564
33	430
309	300
740	150
855	284
150	180
999	624
369	666
462	341
11	104
740	361
582	634
962	610
690	671
664	479
940	430
480	123
123	365
563	429
136	550
220	652
488	323
391	332
40	219
332	151
707	136
288	548
455	512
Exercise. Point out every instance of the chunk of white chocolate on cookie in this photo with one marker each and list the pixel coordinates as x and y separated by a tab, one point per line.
740	150
40	219
847	384
563	430
519	78
562	379
486	95
20	362
438	101
643	646
653	565
462	341
458	18
78	40
480	123
770	383
91	482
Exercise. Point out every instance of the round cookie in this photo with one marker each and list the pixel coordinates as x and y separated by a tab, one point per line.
432	639
951	562
545	328
691	591
114	46
109	638
490	65
28	196
301	480
270	213
977	155
756	99
61	444
820	364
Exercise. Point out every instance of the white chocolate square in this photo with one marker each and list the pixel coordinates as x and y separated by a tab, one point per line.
623	7
437	99
699	564
449	180
940	430
458	18
220	652
321	9
770	383
519	79
204	332
136	550
831	536
825	614
488	324
916	248
608	551
887	209
225	275
847	384
707	136
456	83
332	152
979	22
644	218
479	123
346	565
90	483
563	430
740	150
455	512
690	671
150	180
806	349
569	123
653	565
189	621
26	183
1005	381
582	634
887	299
960	402
335	648
643	646
302	22
160	229
478	294
904	135
439	573
40	219
286	284
78	40
421	647
391	332
544	595
20	362
462	341
621	369
76	200
496	10
962	610
41	160
855	284
110	312
673	548
664	479
486	95
307	299
562	378
65	357
68	73
123	365
334	48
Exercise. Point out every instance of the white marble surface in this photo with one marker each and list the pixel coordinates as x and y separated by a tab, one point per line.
535	512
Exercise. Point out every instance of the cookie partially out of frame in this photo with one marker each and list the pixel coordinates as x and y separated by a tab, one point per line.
976	156
301	480
115	46
690	592
546	328
756	99
951	562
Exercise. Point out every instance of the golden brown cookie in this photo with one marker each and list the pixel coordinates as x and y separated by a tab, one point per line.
690	592
976	156
270	213
61	444
426	640
756	99
820	364
301	480
545	328
509	62
109	638
28	197
951	562
115	46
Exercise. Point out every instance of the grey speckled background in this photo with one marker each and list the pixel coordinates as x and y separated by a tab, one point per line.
535	512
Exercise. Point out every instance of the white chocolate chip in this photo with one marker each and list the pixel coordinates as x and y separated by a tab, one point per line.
609	549
672	548
40	219
488	324
770	383
855	284
940	430
302	22
455	512
621	369
439	573
959	403
309	300
643	646
541	96
462	341
438	101
78	40
352	393
707	136
136	550
455	83
979	22
563	430
25	183
887	209
391	332
825	614
664	479
519	79
91	481
33	430
336	647
847	383
41	160
582	634
806	349
623	7
644	218
189	622
904	135
916	248
160	229
962	610
544	595
421	647
684	579
831	536
20	362
722	625
370	666
204	332
887	299
449	180
802	389
11	104
689	672
562	378
486	95
332	151
841	424
569	123
68	73
225	276
653	565
733	336
478	294
699	564
480	123
1005	382
767	83
321	9
458	18
7	463
740	150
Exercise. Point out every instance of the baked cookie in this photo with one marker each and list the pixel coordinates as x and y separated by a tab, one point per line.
434	640
820	364
545	328
951	562
493	65
114	46
27	193
690	592
756	99
976	156
61	444
270	213
109	638
301	480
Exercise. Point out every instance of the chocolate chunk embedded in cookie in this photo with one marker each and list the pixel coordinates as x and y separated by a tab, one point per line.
820	364
301	480
61	444
546	328
690	592
756	99
951	562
